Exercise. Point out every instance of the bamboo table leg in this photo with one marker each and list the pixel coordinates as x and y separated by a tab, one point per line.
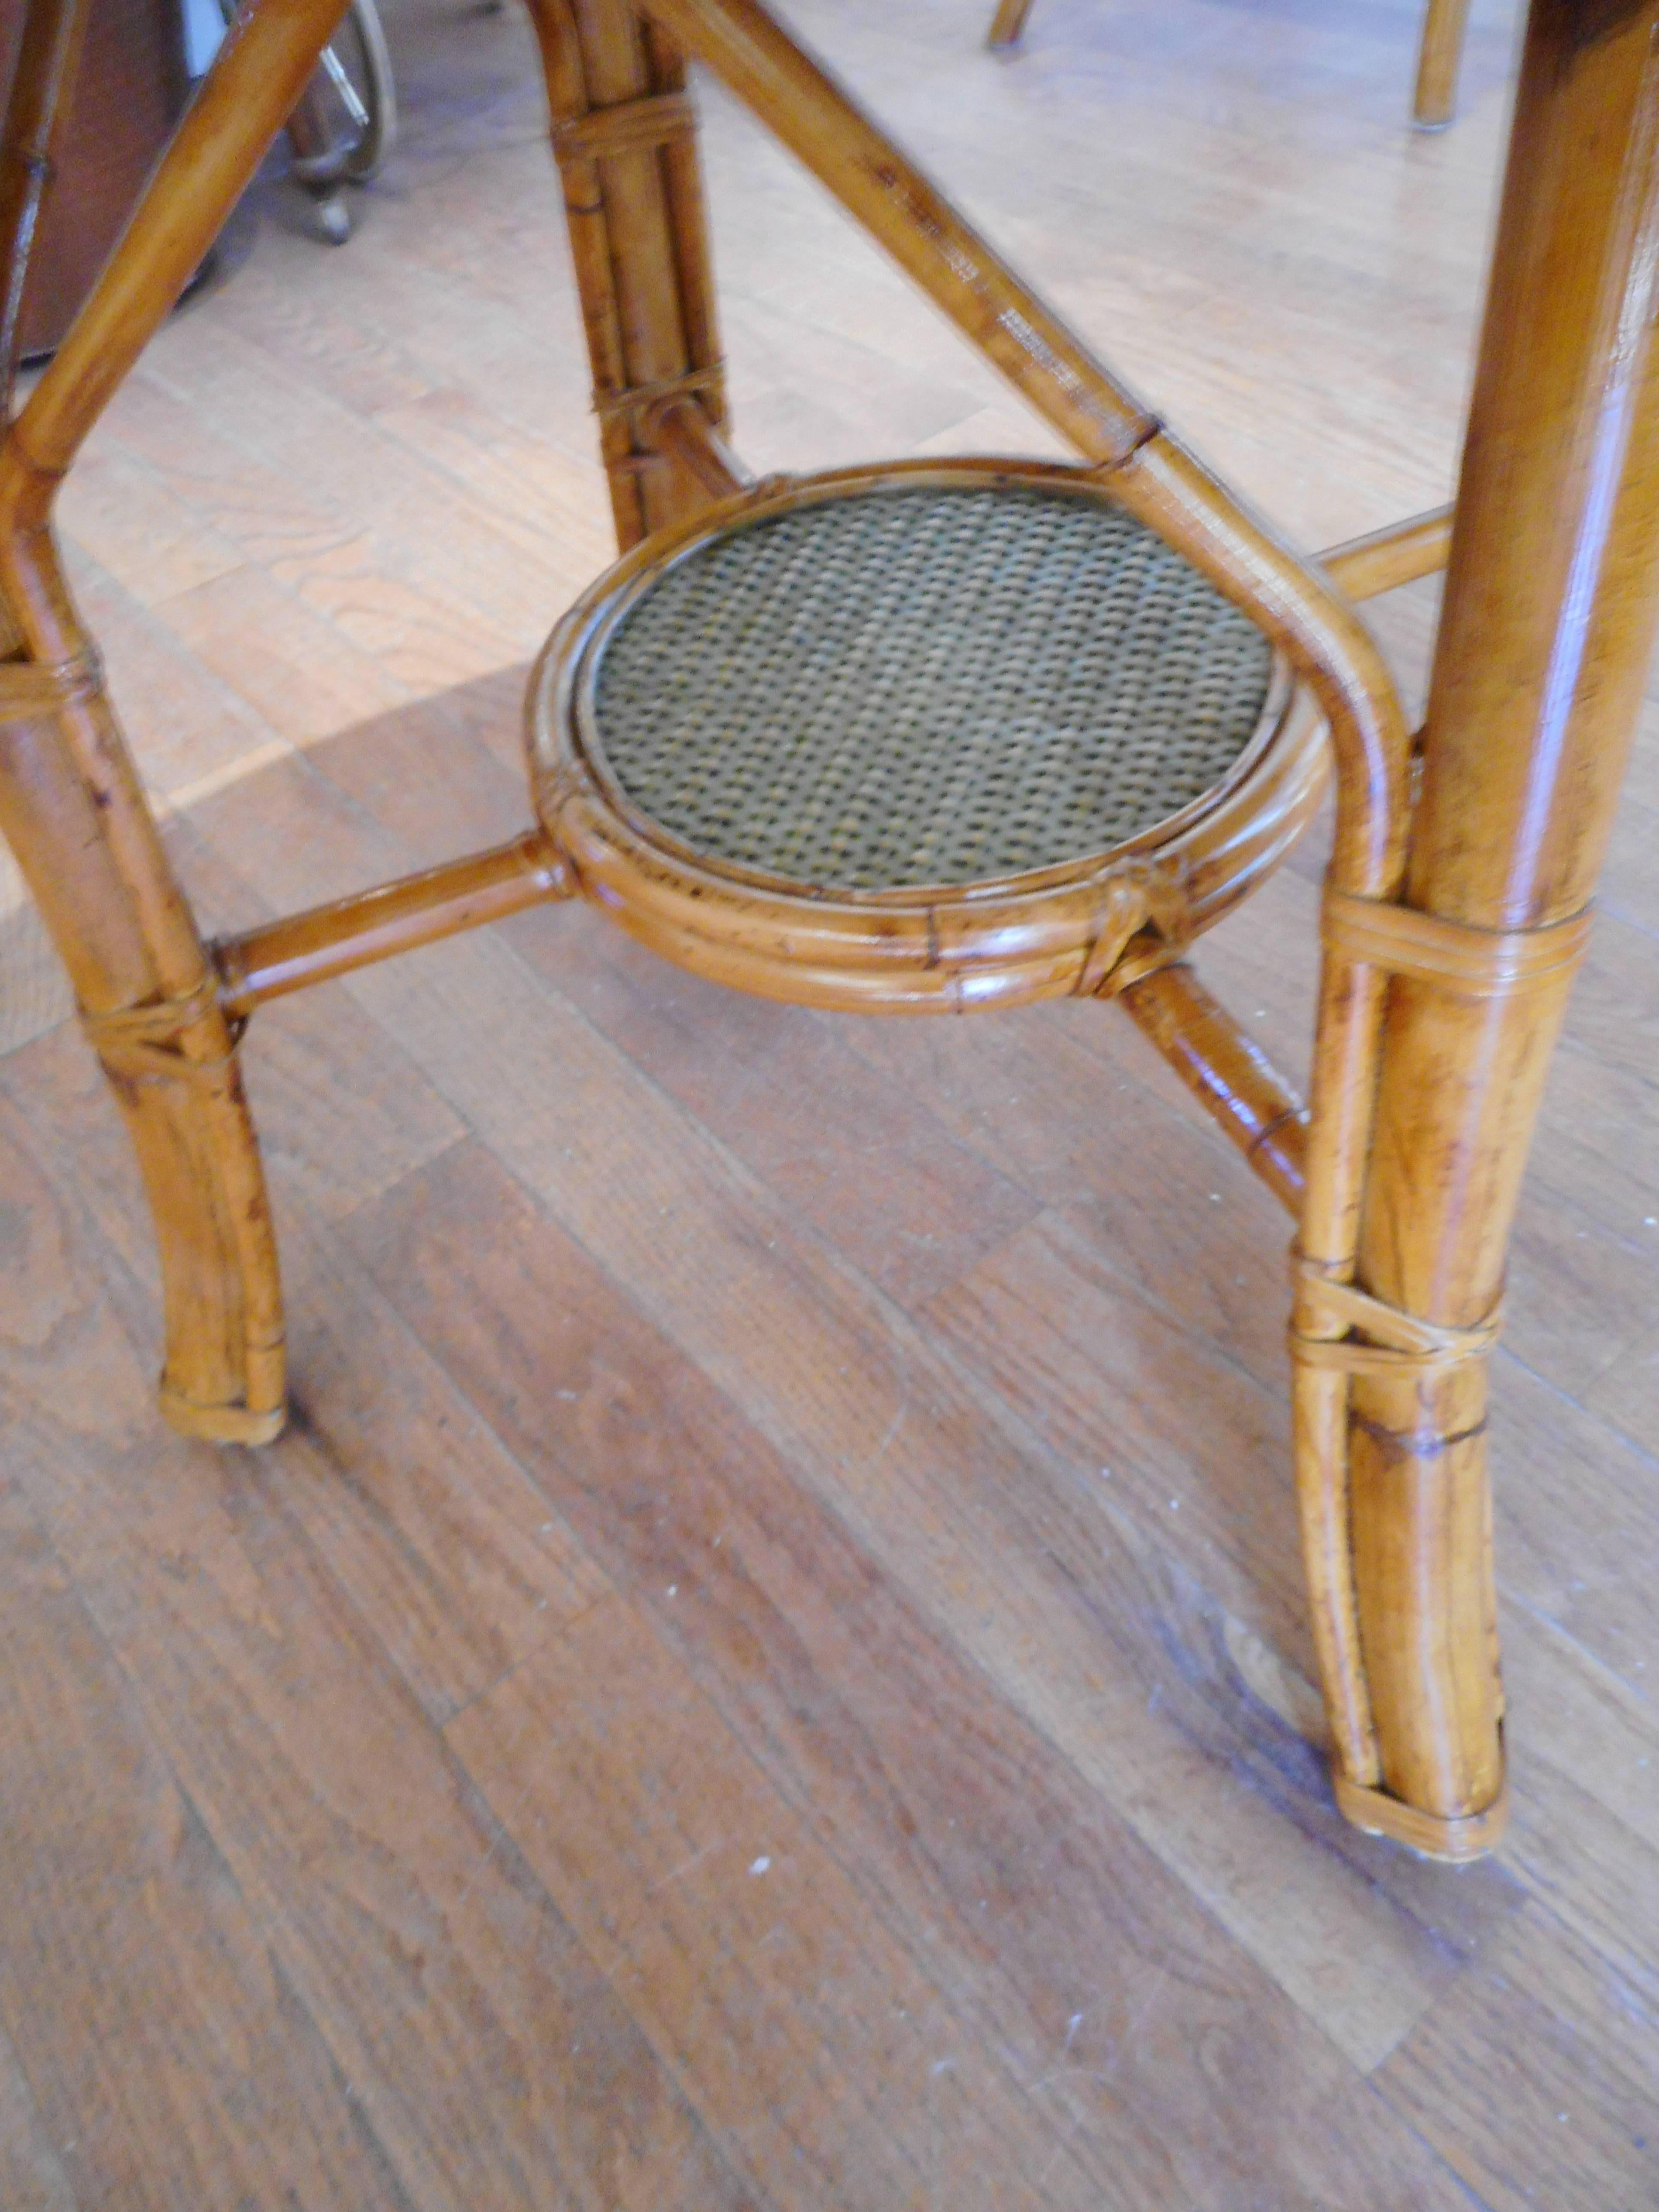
1552	596
70	800
1007	24
1434	99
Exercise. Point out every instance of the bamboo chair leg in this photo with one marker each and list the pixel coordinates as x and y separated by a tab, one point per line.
1434	99
70	800
623	133
1007	24
1553	596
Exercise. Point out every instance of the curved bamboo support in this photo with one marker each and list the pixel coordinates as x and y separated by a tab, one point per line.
1551	598
70	800
1396	1275
72	809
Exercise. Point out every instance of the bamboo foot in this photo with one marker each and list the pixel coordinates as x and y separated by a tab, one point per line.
173	1068
1434	99
1456	1841
221	1425
1009	23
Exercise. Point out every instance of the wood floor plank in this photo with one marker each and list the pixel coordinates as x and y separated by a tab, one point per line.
1597	1134
113	508
395	594
815	2049
32	2175
486	2052
1586	1840
287	661
1593	1872
1086	1360
267	518
444	774
557	495
341	482
895	1435
197	728
1577	1540
1536	2077
446	1548
466	560
1071	1104
880	1178
1059	1939
1626	1392
307	328
173	2063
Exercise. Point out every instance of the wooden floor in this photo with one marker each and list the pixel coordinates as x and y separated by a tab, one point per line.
770	1668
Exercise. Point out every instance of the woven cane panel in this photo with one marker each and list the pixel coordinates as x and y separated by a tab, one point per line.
935	686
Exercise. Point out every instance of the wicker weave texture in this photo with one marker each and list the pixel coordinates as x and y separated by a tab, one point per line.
942	685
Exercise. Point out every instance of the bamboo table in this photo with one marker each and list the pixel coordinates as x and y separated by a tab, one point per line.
1464	868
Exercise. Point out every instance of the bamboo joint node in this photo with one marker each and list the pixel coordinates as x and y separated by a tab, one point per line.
1431	948
631	126
29	689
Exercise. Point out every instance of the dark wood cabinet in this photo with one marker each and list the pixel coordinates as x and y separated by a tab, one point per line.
130	91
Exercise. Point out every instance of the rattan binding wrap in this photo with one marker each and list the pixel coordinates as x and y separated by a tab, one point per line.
927	686
144	1041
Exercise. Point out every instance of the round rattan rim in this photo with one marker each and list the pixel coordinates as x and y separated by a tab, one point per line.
1039	934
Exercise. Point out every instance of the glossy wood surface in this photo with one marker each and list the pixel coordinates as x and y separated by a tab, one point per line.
634	209
1398	553
364	926
1221	1064
130	90
72	802
342	1724
1551	599
1081	927
1434	95
621	128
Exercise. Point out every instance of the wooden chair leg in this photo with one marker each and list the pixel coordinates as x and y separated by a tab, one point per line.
1434	99
1007	24
624	135
70	800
